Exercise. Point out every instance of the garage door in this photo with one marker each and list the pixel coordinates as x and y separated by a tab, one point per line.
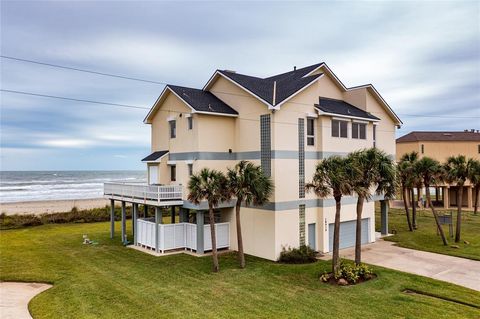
347	233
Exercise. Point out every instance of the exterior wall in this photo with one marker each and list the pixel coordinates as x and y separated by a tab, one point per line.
440	150
267	231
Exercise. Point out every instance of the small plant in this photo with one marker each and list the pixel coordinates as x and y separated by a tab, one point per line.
302	255
350	272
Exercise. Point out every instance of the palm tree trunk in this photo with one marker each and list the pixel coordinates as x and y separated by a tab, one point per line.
407	211
241	255
414	211
419	199
336	236
459	213
211	216
477	192
439	227
358	234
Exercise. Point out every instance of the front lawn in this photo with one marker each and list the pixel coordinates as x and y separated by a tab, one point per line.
426	238
111	281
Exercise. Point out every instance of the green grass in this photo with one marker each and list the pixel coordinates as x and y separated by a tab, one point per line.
111	281
426	238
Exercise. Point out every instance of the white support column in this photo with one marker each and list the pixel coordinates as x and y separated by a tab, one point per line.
134	222
112	218
124	223
158	216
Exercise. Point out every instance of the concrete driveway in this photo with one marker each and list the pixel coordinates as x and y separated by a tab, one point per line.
460	271
15	296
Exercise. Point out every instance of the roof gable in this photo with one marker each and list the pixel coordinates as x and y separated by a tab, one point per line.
198	101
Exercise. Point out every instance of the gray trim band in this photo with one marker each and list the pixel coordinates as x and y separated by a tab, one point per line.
286	205
249	155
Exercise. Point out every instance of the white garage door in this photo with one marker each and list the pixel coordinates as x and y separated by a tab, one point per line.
347	233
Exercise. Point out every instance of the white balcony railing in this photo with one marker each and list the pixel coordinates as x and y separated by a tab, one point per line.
143	192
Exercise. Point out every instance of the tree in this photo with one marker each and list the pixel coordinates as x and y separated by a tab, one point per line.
247	182
209	185
474	177
372	168
406	170
431	173
333	176
456	171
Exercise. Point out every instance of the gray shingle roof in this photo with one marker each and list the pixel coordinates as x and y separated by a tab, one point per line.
287	83
440	136
342	108
202	101
154	156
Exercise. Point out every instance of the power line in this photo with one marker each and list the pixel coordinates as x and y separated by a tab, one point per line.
164	83
74	99
81	70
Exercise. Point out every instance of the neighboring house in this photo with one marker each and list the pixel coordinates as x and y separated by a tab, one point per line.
286	123
441	145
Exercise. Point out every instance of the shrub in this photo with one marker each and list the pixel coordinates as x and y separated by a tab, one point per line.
73	216
352	273
302	255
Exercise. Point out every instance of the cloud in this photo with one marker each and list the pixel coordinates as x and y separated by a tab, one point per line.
424	58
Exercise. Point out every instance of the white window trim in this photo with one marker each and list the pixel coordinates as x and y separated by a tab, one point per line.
314	131
339	130
366	126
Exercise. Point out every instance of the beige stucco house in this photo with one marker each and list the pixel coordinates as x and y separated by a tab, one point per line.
440	145
286	123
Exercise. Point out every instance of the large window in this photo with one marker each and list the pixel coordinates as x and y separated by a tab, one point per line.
359	130
310	131
190	122
339	128
173	173
173	129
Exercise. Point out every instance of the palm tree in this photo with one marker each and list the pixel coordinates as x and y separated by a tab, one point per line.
456	169
333	176
474	177
248	183
406	170
209	185
430	171
372	168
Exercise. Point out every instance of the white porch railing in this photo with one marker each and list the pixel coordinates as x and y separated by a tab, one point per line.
180	236
143	193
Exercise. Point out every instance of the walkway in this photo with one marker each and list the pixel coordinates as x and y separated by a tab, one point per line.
459	271
15	296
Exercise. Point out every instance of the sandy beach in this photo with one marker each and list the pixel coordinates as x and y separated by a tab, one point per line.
51	206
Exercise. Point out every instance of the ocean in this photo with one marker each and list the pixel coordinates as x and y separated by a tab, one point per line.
22	186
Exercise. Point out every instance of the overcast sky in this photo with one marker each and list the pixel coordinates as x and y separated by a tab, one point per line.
423	57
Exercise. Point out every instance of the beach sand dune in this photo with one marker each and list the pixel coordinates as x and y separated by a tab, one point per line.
51	206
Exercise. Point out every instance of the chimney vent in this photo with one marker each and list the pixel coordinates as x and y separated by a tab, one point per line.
294	68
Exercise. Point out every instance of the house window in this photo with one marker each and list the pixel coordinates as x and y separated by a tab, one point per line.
423	149
310	131
190	122
173	129
374	135
301	224
359	131
173	173
478	148
190	169
339	128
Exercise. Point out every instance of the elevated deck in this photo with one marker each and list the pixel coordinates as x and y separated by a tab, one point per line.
154	195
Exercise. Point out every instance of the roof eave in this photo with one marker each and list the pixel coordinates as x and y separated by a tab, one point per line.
321	112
